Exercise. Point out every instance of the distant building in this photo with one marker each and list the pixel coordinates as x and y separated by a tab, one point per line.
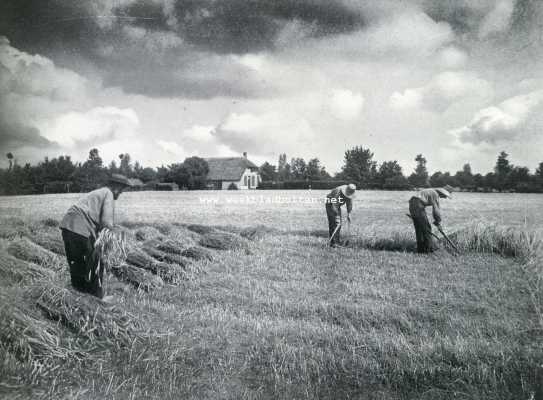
232	173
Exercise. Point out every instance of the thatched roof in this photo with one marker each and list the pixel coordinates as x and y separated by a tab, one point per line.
228	168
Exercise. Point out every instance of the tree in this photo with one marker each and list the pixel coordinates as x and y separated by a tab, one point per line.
91	174
539	172
420	177
298	168
519	179
125	166
283	168
358	166
464	178
387	170
267	172
502	169
147	174
10	160
197	170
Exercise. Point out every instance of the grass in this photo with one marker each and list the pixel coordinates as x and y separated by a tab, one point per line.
288	319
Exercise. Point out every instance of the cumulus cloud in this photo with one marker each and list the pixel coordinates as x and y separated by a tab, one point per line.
452	57
498	19
502	123
30	84
173	149
444	89
98	125
266	133
345	104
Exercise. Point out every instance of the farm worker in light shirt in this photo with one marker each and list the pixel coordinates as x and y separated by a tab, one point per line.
417	209
80	228
334	200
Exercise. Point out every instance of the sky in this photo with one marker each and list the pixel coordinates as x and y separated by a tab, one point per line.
458	81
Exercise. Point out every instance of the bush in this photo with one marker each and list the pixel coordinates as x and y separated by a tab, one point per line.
233	186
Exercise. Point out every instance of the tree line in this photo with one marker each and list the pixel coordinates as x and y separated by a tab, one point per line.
360	168
61	174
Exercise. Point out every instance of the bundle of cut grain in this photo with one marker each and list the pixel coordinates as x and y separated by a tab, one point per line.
25	335
50	222
170	246
168	272
147	232
13	270
51	241
197	253
167	257
201	229
11	228
112	248
183	237
223	241
257	232
24	249
88	316
137	277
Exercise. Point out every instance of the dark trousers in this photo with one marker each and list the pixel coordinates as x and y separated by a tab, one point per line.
423	229
333	212
83	262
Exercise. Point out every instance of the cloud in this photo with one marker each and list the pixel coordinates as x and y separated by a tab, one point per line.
452	57
266	133
98	125
173	149
345	104
30	85
443	90
502	123
498	19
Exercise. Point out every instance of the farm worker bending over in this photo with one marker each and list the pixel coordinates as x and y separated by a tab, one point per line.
80	227
334	200
417	209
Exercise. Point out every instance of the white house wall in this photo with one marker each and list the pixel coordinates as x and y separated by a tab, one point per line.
241	183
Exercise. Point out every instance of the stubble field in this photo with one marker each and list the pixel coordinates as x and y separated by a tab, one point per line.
260	308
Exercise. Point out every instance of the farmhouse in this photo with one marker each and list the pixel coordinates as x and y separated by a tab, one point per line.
232	173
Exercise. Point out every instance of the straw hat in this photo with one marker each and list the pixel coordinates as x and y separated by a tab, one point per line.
118	178
445	191
349	190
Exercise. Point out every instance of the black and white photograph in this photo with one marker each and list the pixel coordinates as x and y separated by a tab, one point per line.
271	199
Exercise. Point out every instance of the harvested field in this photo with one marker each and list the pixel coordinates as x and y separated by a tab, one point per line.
293	319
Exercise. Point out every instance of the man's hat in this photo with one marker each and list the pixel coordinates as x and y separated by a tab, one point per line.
349	190
118	178
445	191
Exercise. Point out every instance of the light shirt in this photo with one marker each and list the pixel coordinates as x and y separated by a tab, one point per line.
91	213
340	198
430	197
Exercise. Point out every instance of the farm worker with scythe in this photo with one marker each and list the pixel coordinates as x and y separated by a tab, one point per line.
417	209
334	200
80	228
